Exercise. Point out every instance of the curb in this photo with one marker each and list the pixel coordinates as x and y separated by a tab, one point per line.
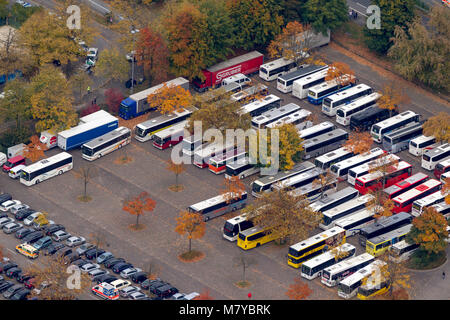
429	270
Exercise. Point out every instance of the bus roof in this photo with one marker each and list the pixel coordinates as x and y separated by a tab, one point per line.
290	118
276	112
438	150
321	126
386	221
227	155
357	158
214	147
362	273
248	92
390	121
312	77
422	138
165	117
328	84
430	198
346	205
45	162
375	163
316	238
314	172
249	107
378	174
250	231
106	137
363	100
417	190
355	216
345	264
410	127
276	63
317	261
326	199
176	128
344	93
406	182
301	72
301	167
390	235
200	206
145	93
234	61
444	163
323	137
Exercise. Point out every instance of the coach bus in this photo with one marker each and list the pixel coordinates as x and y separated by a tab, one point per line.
313	268
404	201
261	121
314	191
332	103
328	159
259	106
442	168
344	113
419	205
324	143
218	205
432	157
363	169
383	225
144	131
298	180
398	140
264	184
340	169
363	120
443	208
106	143
301	86
330	201
235	225
376	180
316	130
254	237
401	251
378	245
241	168
250	94
169	137
284	82
348	288
46	168
191	144
379	129
374	286
405	185
217	164
205	152
313	246
420	144
321	91
298	119
334	274
332	215
355	221
272	70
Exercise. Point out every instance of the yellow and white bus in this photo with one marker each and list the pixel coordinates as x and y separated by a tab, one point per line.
378	245
254	237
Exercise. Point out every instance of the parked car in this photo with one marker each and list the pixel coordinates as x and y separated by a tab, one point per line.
71	257
28	221
22	214
118	268
13	272
49	230
3	215
43	243
27	250
139	277
89	267
74	241
80	262
21	233
22	277
60	235
94	252
146	283
104	257
108	278
6	285
125	292
178	296
11	290
112	262
120	284
21	294
64	252
53	248
128	272
97	272
12	227
5	197
5	206
18	207
29	284
8	265
165	291
156	284
138	295
84	247
33	237
5	221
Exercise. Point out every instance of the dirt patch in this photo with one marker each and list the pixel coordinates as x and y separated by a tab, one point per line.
135	227
123	160
84	199
192	256
242	284
176	188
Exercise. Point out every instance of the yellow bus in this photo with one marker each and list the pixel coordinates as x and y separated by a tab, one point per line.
254	237
373	287
378	245
309	248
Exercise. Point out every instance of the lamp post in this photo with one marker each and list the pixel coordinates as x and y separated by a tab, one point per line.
133	32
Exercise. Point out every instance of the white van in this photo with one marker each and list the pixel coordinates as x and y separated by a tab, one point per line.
2	158
239	78
15	172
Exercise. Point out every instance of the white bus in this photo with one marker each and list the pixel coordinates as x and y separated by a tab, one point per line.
46	168
316	130
398	139
379	129
144	131
258	107
298	180
217	164
341	169
330	201
285	82
419	145
190	144
313	267
328	159
401	251
261	121
298	118
272	70
319	92
235	225
334	274
301	86
443	208
241	168
431	157
355	221
332	103
264	184
218	205
348	288
207	151
332	215
249	94
324	143
444	176
106	143
344	113
419	205
313	191
363	169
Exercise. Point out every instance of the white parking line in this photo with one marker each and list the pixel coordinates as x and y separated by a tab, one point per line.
361	5
11	251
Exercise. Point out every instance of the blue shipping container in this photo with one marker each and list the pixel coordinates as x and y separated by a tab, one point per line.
85	136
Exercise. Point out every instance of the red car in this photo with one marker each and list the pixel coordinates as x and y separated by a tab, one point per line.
12	162
29	284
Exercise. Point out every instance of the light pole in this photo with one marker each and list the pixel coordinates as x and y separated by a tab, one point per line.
133	32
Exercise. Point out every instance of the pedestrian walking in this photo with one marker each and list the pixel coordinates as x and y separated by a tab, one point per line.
95	100
356	15
443	275
88	89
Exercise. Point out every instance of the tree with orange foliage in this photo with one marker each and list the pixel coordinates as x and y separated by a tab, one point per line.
138	205
391	97
234	189
204	295
341	72
359	142
34	151
176	169
383	166
192	225
323	181
168	99
298	290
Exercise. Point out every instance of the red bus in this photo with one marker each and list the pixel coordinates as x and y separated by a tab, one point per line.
405	185
371	181
170	136
404	202
219	163
442	167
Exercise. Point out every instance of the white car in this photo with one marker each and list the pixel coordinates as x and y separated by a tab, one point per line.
60	235
92	53
125	292
191	296
17	207
89	267
75	241
120	284
138	295
5	221
30	219
129	271
5	206
12	227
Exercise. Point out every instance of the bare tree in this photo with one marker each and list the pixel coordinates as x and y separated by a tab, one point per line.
245	262
85	173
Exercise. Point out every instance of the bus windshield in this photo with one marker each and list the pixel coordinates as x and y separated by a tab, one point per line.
376	129
25	175
229	229
256	187
86	150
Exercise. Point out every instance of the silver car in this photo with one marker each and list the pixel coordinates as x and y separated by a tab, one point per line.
128	272
12	227
29	220
138	295
125	292
89	267
4	221
97	272
60	235
84	247
14	209
75	241
5	206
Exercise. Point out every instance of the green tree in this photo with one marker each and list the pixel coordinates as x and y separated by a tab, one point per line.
111	65
292	10
393	13
325	14
16	104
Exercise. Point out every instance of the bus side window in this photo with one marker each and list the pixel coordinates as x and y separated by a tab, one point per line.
246	225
